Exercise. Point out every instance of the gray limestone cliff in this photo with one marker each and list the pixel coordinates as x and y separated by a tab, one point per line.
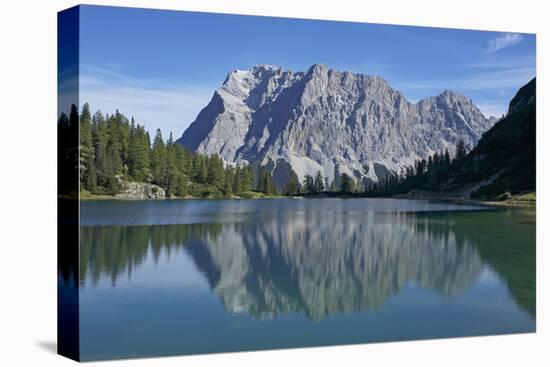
322	119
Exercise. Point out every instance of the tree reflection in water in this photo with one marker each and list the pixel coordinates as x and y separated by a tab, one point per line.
313	263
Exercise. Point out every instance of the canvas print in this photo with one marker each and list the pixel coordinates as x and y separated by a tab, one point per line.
234	183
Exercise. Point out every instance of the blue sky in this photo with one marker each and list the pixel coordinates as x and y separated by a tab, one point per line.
163	66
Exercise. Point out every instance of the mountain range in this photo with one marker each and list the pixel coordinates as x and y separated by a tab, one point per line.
329	121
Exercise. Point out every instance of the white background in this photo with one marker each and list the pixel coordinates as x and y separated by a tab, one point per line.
28	183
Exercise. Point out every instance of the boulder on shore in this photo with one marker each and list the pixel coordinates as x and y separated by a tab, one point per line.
140	191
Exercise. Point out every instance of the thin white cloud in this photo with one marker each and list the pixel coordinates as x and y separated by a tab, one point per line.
504	41
168	105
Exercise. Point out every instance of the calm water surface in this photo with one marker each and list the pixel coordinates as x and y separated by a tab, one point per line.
200	276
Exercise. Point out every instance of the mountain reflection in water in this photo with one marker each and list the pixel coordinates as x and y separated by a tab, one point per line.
317	264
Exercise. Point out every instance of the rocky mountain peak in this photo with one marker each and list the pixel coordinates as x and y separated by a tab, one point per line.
329	121
449	93
317	69
453	97
269	67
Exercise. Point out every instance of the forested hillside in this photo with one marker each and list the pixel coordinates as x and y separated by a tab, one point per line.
115	151
506	154
502	164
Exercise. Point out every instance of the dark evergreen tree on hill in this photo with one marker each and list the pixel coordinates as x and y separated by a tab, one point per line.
447	158
67	151
159	160
460	150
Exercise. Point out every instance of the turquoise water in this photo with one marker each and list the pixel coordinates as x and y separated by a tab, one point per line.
201	276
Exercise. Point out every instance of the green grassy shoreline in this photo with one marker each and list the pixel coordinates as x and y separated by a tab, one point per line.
523	200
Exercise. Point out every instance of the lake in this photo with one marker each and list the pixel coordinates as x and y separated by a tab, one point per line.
201	276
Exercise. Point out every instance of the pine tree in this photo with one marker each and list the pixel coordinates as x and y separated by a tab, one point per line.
182	162
86	151
200	171
215	171
436	161
100	137
430	164
91	180
447	159
265	183
335	185
228	181
158	160
421	167
121	128
237	186
309	184
261	184
293	186
171	173
460	150
182	186
67	155
346	183
115	146
319	184
113	168
248	178
114	155
271	189
138	154
73	117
